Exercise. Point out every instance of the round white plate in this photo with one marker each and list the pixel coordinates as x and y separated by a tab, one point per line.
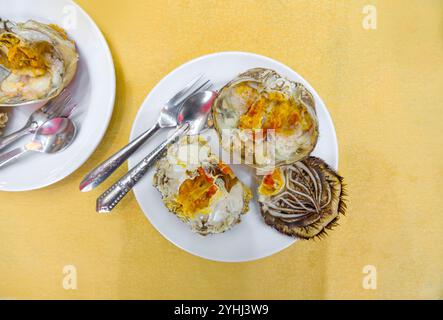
93	89
252	238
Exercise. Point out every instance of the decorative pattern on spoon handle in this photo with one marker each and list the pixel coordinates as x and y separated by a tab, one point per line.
111	197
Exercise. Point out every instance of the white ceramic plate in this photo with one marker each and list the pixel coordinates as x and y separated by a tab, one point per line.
252	238
93	89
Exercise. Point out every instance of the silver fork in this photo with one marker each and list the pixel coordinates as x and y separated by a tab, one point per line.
167	119
60	106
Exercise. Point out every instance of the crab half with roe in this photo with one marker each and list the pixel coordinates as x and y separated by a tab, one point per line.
267	119
37	61
201	190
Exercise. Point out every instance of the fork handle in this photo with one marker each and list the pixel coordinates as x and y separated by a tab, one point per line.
111	197
11	138
106	168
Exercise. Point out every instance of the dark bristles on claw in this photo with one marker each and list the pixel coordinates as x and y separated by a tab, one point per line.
309	204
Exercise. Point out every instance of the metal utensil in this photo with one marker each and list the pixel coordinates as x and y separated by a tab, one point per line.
61	106
192	119
53	136
166	119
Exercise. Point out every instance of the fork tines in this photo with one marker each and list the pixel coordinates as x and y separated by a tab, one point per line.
201	83
60	106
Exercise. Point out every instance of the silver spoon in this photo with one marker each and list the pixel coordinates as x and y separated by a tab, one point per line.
192	119
53	136
167	119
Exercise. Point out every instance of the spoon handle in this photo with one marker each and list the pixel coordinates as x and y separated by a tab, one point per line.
11	155
106	168
111	197
7	140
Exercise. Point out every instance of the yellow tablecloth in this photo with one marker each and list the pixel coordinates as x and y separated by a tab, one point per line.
384	89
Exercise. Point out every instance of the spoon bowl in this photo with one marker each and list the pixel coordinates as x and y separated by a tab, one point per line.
195	111
53	136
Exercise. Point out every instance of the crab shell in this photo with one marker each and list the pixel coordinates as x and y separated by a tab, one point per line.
267	80
181	162
310	201
64	54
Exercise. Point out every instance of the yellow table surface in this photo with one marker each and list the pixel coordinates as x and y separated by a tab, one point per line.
384	90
